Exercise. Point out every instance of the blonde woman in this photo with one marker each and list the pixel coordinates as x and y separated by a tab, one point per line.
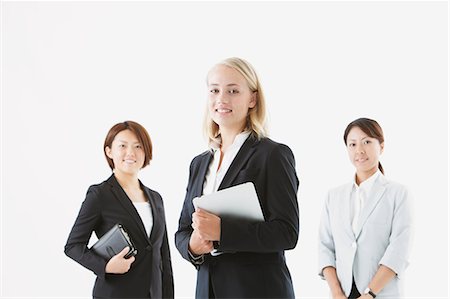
253	264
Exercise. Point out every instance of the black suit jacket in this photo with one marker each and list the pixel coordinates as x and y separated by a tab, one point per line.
150	275
258	268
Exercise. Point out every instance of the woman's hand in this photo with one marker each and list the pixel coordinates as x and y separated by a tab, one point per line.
333	282
207	225
118	264
198	246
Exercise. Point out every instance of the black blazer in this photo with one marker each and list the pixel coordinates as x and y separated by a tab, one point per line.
150	275
258	268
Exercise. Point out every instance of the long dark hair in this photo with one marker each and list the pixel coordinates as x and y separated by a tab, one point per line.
371	128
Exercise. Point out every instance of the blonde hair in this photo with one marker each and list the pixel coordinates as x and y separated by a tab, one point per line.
256	118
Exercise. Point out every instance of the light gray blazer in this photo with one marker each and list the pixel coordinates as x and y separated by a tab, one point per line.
383	236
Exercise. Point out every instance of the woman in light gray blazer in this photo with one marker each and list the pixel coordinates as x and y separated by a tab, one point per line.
366	225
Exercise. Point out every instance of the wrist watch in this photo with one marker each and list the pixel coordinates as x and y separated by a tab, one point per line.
369	291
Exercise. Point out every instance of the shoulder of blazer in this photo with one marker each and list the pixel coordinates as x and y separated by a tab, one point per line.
197	161
270	145
265	141
382	181
200	157
103	186
340	190
392	186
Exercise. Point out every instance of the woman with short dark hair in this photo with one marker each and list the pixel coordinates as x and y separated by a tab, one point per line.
123	199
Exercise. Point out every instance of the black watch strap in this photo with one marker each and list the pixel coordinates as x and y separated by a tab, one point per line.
372	294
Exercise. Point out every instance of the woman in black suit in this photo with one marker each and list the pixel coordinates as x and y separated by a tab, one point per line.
123	199
250	261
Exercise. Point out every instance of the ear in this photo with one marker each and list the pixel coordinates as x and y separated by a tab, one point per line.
108	152
381	148
253	100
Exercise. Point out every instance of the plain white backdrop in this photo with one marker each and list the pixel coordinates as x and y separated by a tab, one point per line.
71	70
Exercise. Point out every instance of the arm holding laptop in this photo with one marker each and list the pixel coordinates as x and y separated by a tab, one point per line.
276	185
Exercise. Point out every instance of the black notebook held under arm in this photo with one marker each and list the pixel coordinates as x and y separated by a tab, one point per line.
113	242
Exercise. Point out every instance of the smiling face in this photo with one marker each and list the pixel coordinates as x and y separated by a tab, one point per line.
126	152
364	152
229	98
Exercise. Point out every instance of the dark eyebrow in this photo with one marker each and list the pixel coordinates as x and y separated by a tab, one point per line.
356	139
123	141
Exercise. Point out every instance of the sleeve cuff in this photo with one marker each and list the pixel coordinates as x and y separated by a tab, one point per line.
396	264
196	260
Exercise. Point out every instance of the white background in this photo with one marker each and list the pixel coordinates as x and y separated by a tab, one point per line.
72	70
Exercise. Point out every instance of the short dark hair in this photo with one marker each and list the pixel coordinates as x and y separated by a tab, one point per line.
371	128
141	134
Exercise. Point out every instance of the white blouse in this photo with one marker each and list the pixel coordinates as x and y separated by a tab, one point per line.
145	212
215	176
359	195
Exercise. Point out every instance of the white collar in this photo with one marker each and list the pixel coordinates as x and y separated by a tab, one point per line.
366	186
237	143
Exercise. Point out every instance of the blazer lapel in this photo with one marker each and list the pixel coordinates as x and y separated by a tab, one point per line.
346	210
155	215
378	190
242	156
122	197
200	176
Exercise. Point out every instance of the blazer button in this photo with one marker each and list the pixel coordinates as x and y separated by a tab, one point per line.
354	245
148	248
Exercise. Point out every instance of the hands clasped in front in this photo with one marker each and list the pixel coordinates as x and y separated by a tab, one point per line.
118	264
206	230
342	296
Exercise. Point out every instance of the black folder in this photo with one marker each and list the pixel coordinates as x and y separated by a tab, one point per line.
113	242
